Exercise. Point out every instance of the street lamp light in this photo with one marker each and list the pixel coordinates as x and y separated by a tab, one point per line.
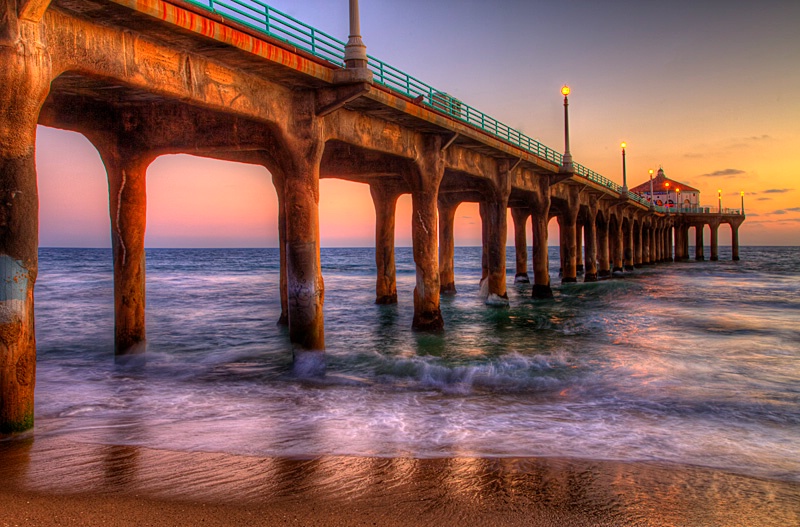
652	196
566	164
719	196
624	169
742	193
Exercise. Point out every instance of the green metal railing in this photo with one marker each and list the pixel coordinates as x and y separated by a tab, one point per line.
268	20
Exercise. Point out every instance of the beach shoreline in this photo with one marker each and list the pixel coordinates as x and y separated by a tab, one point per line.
56	481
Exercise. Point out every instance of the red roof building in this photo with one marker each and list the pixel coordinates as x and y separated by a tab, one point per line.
668	192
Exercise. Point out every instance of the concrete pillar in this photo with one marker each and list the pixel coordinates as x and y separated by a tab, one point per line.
447	214
495	217
617	246
638	247
629	247
590	248
424	232
671	242
603	255
483	212
305	287
566	225
277	181
735	242
579	268
540	215
520	217
652	242
24	84
645	232
126	168
699	253
714	242
685	239
384	198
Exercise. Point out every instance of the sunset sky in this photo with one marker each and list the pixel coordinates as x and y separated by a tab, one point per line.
710	91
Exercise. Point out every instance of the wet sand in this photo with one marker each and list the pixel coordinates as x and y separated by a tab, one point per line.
55	481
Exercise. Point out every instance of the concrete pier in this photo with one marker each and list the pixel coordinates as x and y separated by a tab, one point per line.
141	79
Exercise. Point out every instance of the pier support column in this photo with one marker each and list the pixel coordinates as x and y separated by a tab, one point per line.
540	215
424	231
714	241
567	222
590	248
734	242
305	286
603	257
278	182
616	242
699	252
447	215
651	241
384	197
24	84
494	215
579	267
638	248
628	246
520	216
646	255
126	168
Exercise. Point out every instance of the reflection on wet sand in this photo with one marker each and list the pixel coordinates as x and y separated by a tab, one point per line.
449	491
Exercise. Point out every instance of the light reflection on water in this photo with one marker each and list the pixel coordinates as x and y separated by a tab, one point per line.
692	363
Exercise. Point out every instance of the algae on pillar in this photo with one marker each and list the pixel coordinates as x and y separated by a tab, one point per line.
447	213
540	215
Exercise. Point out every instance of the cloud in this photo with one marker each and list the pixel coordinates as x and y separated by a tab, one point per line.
728	172
763	199
763	137
793	209
778	212
778	190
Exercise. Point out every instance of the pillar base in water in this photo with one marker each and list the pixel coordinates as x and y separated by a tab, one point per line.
715	258
495	300
133	357
605	273
541	291
386	299
522	278
428	321
283	320
309	363
579	268
570	280
629	267
447	289
590	277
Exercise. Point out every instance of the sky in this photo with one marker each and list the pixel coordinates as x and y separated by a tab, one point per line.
708	90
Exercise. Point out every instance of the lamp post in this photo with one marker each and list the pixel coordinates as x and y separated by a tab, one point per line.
624	169
355	52
678	203
566	163
742	193
652	196
719	197
666	185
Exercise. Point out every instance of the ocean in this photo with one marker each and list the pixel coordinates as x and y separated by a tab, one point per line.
692	364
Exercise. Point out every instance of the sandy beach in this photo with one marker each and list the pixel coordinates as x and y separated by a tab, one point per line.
55	481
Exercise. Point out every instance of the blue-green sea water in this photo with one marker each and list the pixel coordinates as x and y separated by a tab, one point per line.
694	363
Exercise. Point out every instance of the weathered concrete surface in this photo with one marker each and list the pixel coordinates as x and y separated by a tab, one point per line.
24	81
447	213
127	171
384	197
424	183
520	217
